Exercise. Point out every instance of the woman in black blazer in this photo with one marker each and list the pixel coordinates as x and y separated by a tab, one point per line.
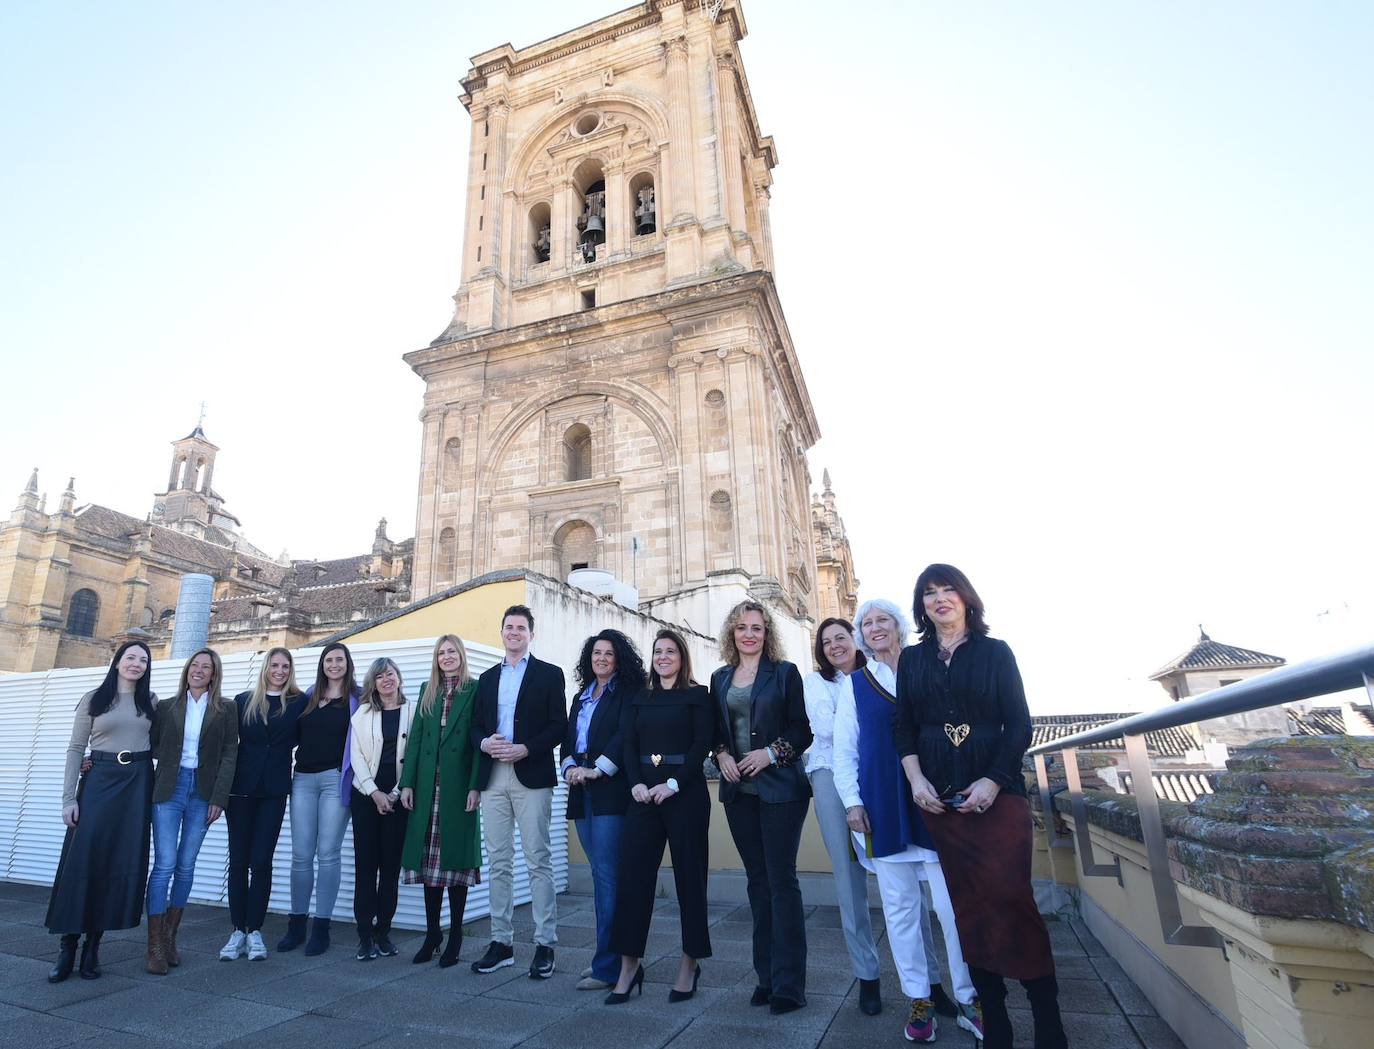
610	674
762	730
257	800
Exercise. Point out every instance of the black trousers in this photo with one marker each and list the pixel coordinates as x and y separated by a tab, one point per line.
768	835
377	844
254	826
683	823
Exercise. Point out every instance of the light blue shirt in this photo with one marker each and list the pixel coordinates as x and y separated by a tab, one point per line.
585	713
509	691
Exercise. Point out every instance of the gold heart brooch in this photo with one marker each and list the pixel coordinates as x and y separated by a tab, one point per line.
956	733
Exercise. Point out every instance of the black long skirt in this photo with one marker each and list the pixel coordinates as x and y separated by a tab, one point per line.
103	873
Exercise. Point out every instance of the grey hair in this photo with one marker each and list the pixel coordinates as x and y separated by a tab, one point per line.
880	605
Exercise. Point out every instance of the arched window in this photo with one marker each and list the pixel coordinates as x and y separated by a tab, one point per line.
643	205
446	555
540	233
83	613
589	205
577	453
575	544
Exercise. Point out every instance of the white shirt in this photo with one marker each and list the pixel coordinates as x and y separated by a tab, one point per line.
190	739
846	762
820	696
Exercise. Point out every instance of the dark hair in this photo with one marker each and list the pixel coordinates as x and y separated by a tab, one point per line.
684	675
629	665
823	664
519	610
105	693
947	575
321	687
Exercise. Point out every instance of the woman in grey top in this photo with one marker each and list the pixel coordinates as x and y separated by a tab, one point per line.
104	864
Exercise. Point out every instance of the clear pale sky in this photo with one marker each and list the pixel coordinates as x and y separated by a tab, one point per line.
1082	291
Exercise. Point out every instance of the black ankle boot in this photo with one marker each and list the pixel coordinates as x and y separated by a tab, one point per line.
1044	1002
870	997
319	937
992	994
455	944
295	932
66	958
431	944
90	957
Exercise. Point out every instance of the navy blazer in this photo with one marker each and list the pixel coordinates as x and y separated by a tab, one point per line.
264	757
610	794
777	711
541	720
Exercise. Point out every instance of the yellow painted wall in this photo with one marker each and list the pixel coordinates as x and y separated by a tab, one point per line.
474	615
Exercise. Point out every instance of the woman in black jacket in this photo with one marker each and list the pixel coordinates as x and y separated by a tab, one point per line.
667	732
610	674
762	730
268	717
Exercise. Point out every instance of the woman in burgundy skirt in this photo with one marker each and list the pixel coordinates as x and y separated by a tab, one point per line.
962	728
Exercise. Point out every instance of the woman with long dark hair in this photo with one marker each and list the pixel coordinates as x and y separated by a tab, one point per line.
762	732
377	746
319	798
610	674
443	844
195	741
668	731
104	865
962	728
268	717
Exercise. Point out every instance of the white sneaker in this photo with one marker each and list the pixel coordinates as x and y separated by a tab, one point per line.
257	950
234	948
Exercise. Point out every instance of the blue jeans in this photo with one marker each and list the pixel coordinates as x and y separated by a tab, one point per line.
600	838
179	826
318	822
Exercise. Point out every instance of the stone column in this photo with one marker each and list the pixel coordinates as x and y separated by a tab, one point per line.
498	116
1280	860
680	151
619	214
732	175
476	149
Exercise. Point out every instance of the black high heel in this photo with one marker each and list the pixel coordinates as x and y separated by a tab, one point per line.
681	996
427	949
619	998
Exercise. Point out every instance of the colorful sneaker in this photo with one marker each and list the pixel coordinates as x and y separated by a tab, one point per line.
971	1018
921	1025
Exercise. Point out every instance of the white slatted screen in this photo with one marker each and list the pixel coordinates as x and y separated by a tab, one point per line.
35	725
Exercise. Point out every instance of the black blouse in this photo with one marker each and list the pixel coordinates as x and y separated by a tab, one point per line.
981	688
323	733
672	721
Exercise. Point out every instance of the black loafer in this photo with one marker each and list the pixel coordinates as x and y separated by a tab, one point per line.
870	998
777	1005
761	996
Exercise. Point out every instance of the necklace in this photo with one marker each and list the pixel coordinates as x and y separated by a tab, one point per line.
947	649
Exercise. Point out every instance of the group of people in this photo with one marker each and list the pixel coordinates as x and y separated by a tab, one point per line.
912	754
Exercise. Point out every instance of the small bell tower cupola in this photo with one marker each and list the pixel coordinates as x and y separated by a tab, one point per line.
187	502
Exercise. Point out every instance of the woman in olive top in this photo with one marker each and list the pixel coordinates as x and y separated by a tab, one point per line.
104	864
668	732
761	715
378	750
319	798
443	846
257	801
195	741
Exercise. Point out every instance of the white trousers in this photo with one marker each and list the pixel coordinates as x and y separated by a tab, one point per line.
899	882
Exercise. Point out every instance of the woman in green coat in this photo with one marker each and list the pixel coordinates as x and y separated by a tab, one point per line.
443	848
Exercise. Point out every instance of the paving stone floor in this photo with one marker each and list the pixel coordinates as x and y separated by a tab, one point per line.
335	1002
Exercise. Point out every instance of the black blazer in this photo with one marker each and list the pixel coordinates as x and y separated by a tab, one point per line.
610	794
541	720
777	712
263	769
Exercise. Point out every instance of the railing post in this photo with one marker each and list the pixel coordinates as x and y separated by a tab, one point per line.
1157	852
1080	824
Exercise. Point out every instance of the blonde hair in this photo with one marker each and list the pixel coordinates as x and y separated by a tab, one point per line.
370	695
216	677
772	644
435	687
258	703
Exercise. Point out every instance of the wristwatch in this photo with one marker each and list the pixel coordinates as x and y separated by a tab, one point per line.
671	784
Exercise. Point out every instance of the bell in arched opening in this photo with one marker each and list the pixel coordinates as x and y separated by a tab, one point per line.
646	212
593	219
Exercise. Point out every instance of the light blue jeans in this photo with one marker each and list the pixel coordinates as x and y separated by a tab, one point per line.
178	830
318	822
600	838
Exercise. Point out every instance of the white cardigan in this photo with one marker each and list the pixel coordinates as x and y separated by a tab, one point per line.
366	747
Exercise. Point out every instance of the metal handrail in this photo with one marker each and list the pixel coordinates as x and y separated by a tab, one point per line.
1290	684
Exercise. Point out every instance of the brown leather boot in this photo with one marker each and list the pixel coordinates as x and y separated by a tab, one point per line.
171	922
157	953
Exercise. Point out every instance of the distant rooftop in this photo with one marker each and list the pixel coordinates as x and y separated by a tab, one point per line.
1207	654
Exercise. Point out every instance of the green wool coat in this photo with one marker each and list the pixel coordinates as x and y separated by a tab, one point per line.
460	833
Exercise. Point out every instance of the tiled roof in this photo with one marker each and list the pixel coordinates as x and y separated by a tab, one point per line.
216	559
1326	721
1177	786
1207	654
1166	743
331	573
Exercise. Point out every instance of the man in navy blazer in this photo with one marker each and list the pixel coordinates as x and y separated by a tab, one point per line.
520	719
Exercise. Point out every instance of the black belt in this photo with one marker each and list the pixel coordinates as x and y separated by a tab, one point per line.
662	759
958	734
124	757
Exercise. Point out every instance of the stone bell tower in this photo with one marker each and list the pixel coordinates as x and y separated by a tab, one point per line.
618	388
